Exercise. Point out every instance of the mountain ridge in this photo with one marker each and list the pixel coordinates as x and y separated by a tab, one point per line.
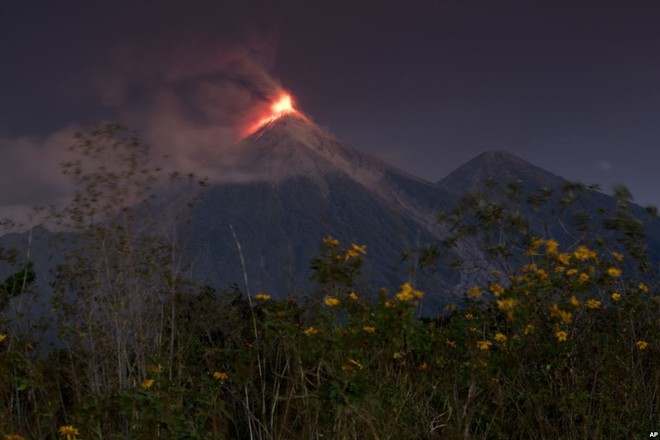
503	167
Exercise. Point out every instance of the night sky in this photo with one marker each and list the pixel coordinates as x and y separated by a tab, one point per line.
571	86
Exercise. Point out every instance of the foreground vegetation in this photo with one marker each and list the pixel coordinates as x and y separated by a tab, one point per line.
561	343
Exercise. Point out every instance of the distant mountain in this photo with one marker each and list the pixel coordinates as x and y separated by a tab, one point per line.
502	167
550	219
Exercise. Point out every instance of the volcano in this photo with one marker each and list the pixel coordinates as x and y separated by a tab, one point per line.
291	183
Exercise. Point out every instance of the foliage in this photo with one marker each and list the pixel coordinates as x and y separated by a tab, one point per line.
17	283
560	339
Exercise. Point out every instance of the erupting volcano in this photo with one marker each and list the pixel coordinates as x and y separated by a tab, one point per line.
281	107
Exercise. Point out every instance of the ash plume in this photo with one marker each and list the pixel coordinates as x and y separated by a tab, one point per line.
190	103
187	100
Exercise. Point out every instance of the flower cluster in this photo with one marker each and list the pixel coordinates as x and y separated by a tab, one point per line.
408	293
220	376
331	301
69	432
309	331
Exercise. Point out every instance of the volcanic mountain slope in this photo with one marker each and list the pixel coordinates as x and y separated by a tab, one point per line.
292	146
289	185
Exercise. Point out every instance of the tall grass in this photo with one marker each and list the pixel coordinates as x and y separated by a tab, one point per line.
546	353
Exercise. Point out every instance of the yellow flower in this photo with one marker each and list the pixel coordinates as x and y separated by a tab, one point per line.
542	274
583	253
220	375
359	249
369	329
145	385
500	337
331	301
450	343
574	301
355	251
529	328
583	278
536	243
593	304
615	296
474	292
617	256
642	345
496	289
507	304
533	246
484	345
561	336
350	253
68	431
571	272
309	331
408	293
262	297
353	296
551	247
2	337
563	315
330	242
643	288
564	258
614	272
560	269
469	316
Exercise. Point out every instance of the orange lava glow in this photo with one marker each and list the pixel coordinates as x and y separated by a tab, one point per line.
284	105
281	107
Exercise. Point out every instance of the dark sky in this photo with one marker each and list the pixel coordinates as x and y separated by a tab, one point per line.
572	86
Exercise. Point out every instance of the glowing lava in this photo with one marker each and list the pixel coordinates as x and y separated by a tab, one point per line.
284	105
281	107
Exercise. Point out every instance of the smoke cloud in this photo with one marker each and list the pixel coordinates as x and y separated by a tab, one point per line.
30	172
188	100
